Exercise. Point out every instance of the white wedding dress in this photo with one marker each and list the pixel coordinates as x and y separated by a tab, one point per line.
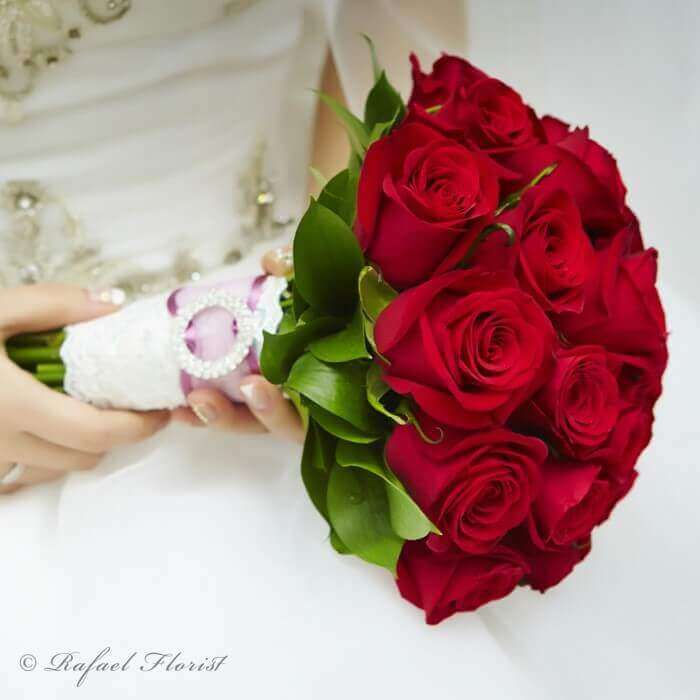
163	130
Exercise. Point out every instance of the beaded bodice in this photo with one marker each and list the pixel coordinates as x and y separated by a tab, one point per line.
143	142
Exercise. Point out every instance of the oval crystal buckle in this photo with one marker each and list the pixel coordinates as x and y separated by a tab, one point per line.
244	320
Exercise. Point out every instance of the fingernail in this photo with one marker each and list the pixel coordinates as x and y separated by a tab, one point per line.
107	295
283	256
205	412
256	396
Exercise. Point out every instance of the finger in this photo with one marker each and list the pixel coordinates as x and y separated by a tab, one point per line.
66	421
29	449
269	406
215	410
30	476
278	262
45	306
184	414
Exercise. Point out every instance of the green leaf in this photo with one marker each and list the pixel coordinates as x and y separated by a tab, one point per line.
376	68
288	322
340	195
339	389
327	261
281	350
354	165
316	462
358	133
381	129
299	304
337	543
345	345
407	519
301	408
358	509
375	293
375	296
339	427
376	391
384	104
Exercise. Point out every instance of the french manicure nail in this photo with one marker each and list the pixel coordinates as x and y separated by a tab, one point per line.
206	413
256	396
107	295
283	256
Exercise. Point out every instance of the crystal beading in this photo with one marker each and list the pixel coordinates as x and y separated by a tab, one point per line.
246	328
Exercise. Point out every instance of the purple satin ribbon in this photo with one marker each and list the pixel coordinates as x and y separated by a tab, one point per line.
211	333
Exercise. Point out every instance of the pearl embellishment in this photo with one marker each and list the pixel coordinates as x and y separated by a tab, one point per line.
246	328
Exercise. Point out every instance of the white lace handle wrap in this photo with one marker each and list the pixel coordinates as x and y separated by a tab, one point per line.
129	360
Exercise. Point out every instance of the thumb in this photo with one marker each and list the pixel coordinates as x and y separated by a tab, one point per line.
268	404
42	307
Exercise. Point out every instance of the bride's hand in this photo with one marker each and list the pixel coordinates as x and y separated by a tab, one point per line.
43	431
266	409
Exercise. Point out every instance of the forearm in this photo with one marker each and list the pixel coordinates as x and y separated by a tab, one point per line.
330	149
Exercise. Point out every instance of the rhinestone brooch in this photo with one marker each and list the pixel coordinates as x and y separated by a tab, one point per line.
245	335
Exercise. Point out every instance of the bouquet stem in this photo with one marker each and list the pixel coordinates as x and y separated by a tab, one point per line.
39	354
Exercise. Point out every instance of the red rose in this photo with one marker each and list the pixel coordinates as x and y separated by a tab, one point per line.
555	130
468	346
621	451
443	584
596	190
549	564
582	409
581	400
573	499
475	487
639	378
483	112
448	75
599	161
622	310
555	256
418	192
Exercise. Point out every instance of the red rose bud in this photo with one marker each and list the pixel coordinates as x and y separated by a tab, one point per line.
443	584
475	487
480	111
639	378
419	196
449	74
622	310
581	400
594	186
631	435
573	499
548	564
467	346
555	256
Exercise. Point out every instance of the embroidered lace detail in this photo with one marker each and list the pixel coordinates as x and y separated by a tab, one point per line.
124	360
36	34
41	241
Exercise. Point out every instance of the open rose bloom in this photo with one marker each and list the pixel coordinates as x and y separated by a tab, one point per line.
473	335
533	368
532	365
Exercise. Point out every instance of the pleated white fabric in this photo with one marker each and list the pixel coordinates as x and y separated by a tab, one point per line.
205	543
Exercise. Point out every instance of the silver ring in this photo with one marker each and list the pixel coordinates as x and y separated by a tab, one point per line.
13	474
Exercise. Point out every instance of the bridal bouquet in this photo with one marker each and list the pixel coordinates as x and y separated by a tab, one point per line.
472	334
